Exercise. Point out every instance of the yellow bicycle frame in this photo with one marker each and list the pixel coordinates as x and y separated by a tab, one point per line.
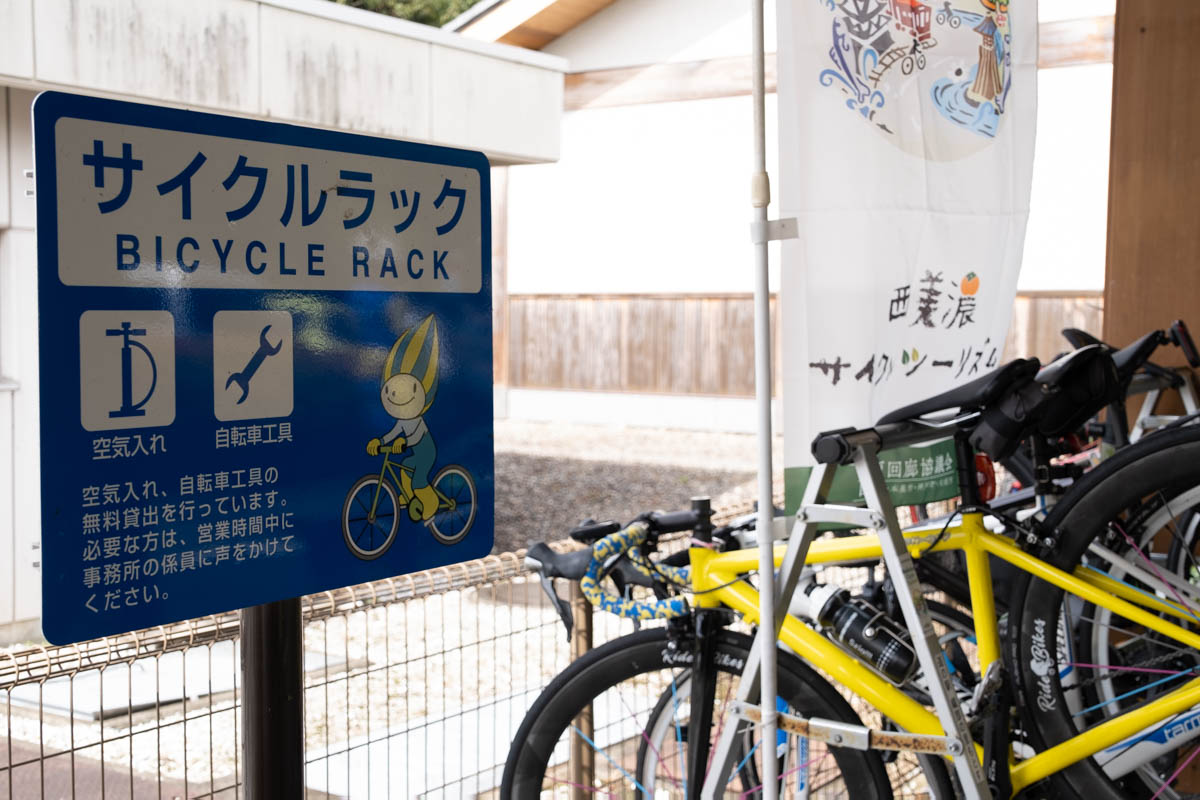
392	470
714	578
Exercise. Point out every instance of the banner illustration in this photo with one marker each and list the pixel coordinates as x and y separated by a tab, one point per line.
906	152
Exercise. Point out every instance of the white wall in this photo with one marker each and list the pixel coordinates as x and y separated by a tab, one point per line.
632	33
653	198
308	61
20	515
645	199
1068	210
1051	10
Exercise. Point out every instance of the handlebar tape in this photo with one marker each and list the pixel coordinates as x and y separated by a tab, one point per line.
629	541
573	566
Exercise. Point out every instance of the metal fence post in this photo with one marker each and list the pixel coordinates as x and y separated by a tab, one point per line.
583	757
273	700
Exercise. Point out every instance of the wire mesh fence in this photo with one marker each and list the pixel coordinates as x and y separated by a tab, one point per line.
414	687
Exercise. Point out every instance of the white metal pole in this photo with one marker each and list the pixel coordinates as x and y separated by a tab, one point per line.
760	194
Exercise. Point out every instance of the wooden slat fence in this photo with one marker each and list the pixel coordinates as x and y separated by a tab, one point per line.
634	343
700	344
1039	317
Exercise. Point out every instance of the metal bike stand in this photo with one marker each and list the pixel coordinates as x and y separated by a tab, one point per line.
273	701
724	755
879	515
912	601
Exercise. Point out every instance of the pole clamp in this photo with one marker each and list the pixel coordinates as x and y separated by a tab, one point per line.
774	230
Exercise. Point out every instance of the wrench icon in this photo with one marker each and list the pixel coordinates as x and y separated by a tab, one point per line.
242	378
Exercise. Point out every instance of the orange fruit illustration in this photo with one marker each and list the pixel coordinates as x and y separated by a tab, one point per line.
970	284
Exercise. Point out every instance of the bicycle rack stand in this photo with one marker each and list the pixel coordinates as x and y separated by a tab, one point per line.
879	515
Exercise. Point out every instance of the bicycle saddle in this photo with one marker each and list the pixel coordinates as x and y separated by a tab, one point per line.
979	392
1079	338
1128	359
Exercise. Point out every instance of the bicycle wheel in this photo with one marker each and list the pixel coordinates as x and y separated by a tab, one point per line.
904	769
621	683
453	521
1182	558
367	534
1129	660
663	724
1082	668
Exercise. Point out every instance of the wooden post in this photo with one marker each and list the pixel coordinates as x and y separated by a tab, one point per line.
583	757
1153	206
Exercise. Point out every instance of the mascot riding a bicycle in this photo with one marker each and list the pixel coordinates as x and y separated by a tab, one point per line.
409	386
443	503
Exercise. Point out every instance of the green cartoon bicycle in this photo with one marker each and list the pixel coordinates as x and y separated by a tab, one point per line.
373	506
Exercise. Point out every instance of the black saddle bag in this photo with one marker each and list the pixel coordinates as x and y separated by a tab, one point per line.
1059	399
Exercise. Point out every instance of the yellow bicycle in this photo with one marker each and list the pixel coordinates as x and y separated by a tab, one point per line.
1091	689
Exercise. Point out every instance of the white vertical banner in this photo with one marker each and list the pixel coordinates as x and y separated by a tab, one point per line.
906	154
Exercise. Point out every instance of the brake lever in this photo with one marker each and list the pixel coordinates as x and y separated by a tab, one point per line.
560	605
625	589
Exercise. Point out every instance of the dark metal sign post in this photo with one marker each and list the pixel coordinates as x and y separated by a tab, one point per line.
273	701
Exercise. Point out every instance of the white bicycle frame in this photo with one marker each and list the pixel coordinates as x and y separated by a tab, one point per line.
1148	421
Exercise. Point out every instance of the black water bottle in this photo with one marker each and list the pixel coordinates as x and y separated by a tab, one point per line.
864	630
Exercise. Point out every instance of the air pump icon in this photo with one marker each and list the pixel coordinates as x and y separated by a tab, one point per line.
126	369
128	407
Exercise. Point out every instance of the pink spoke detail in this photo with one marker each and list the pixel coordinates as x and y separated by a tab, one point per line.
1133	669
791	771
1175	774
658	755
1129	540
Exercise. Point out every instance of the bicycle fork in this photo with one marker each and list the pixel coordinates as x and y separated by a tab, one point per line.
378	490
879	515
703	685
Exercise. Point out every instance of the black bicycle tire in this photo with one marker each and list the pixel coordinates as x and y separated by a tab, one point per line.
1169	462
642	652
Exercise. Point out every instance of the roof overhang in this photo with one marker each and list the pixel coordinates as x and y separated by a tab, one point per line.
525	23
310	62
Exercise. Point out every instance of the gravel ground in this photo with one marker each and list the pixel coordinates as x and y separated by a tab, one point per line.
550	476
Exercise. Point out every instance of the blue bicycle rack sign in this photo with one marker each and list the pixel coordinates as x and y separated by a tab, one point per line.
266	361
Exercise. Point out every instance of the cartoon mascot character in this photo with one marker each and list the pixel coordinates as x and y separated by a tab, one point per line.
410	376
